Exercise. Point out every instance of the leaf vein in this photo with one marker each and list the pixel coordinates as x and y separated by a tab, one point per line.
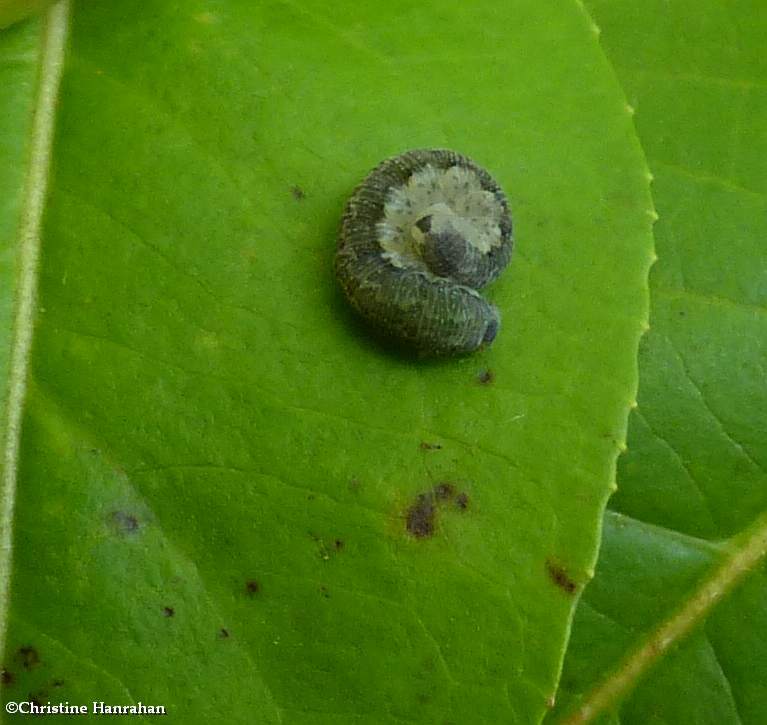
55	30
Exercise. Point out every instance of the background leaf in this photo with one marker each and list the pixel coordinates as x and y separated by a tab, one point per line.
694	475
217	464
11	11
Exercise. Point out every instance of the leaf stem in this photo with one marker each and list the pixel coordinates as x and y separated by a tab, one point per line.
746	551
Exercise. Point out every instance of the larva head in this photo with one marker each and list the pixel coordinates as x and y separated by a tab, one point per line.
420	235
443	247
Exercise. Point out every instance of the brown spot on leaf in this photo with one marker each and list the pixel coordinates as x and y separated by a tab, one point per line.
6	677
560	577
223	633
124	522
444	490
298	193
327	548
28	656
252	587
486	377
421	516
426	446
168	611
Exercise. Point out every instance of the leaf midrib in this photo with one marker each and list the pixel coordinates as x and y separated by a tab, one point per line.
745	554
51	56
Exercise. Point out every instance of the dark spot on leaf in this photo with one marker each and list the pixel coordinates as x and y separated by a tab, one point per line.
168	611
223	633
298	193
426	446
354	484
486	377
123	522
57	683
34	700
444	490
311	497
324	591
252	587
326	549
28	656
6	677
560	577
421	516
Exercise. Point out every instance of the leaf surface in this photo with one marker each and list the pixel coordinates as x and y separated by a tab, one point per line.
11	11
217	464
689	513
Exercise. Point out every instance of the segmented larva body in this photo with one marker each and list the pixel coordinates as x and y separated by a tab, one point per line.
420	235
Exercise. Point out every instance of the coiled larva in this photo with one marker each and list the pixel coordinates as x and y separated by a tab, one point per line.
419	236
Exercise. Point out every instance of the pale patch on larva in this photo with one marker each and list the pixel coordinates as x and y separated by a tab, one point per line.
453	198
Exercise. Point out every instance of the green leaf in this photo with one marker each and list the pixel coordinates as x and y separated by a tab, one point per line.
11	11
689	516
217	463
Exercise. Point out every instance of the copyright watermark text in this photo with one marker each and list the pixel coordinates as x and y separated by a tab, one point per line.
30	707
